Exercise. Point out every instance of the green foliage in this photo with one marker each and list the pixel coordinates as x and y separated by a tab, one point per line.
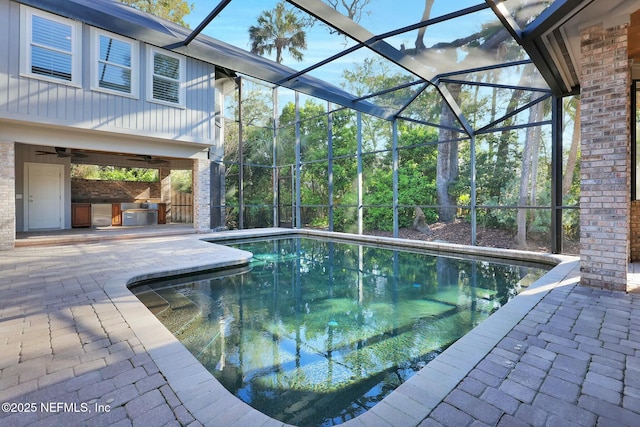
181	181
114	173
372	76
417	171
499	158
171	10
313	133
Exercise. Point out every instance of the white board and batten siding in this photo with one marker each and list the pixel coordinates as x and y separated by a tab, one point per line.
27	99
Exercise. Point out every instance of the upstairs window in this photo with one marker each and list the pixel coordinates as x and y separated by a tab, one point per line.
115	64
167	79
51	47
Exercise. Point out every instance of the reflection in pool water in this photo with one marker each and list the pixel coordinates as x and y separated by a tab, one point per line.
314	332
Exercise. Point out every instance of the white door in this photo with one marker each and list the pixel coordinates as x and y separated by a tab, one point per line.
44	196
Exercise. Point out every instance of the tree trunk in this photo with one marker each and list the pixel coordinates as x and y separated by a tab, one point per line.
535	159
529	156
572	159
426	14
447	164
502	152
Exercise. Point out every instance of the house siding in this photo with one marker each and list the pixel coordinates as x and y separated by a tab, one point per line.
39	101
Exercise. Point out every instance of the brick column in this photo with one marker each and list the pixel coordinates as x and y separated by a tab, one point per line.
605	164
7	195
202	195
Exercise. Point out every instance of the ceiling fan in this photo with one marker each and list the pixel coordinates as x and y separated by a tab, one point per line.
149	159
60	152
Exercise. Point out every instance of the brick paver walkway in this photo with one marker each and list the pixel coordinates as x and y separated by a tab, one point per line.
68	353
574	360
65	345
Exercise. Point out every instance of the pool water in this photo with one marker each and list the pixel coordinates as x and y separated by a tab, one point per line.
314	332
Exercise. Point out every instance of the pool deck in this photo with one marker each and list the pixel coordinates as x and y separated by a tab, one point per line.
77	348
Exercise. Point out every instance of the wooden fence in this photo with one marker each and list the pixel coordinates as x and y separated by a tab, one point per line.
181	207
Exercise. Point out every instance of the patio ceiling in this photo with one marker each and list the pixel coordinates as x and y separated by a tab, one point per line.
428	47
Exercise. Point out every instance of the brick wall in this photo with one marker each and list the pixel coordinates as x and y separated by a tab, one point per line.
605	159
93	191
7	195
202	195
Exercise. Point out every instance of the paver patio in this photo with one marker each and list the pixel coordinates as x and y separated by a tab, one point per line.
76	348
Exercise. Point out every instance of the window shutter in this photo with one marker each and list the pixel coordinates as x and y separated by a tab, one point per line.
51	48
166	78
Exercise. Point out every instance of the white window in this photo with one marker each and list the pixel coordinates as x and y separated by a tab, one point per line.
166	83
115	65
50	47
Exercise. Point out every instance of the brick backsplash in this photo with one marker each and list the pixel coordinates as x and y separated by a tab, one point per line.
94	191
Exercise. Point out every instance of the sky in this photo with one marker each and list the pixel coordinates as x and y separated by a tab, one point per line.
232	25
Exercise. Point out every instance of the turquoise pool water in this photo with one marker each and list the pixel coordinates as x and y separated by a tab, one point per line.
314	332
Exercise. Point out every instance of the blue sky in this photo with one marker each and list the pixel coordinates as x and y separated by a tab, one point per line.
232	25
384	15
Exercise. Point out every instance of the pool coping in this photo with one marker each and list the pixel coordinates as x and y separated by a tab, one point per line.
211	404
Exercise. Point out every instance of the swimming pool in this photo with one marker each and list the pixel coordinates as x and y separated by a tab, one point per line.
315	332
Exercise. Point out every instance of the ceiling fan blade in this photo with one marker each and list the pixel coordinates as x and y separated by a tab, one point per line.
149	160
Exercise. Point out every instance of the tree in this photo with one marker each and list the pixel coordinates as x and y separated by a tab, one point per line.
113	173
426	14
528	172
573	109
171	10
352	9
447	171
279	29
492	40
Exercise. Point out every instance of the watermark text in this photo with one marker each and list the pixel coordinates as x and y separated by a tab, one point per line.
55	407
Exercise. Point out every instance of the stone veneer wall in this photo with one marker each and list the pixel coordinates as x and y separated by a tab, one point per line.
605	160
7	195
202	195
635	231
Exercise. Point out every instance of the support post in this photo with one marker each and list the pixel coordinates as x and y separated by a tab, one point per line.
330	165
298	160
473	195
360	178
394	172
240	160
274	165
556	175
7	195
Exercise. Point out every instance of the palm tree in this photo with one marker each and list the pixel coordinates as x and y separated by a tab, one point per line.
280	29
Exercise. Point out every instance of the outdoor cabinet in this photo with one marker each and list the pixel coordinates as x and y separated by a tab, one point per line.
81	215
116	214
162	213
